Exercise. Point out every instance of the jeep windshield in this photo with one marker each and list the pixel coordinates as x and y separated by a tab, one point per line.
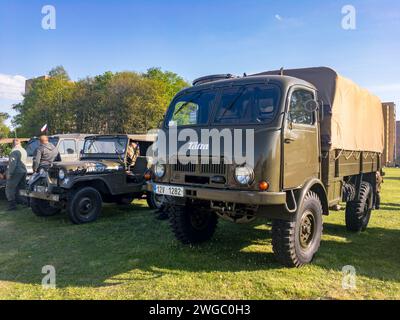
246	104
34	143
105	147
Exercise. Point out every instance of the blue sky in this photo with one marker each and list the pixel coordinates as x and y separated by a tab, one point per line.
194	38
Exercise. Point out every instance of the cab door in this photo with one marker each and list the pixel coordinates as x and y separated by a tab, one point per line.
301	141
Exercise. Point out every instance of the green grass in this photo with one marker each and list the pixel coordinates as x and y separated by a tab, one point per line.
127	254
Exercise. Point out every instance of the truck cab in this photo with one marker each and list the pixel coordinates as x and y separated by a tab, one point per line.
285	178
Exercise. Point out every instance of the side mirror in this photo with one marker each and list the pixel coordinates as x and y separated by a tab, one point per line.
312	106
70	151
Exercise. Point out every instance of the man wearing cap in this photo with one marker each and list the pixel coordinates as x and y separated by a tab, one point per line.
16	174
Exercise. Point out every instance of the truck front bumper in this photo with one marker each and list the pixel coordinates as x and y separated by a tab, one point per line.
231	196
40	195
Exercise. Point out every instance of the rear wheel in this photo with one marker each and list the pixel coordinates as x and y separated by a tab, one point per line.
296	242
358	213
43	208
84	205
192	225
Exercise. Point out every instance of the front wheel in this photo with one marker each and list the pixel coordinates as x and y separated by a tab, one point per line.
43	208
192	225
84	205
296	242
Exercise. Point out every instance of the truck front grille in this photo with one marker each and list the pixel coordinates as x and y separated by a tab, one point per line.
201	168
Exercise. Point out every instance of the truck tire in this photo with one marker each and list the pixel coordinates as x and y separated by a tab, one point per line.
154	201
42	208
191	225
296	242
84	205
358	213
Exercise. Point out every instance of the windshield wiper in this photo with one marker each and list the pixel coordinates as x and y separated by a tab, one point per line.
186	103
232	104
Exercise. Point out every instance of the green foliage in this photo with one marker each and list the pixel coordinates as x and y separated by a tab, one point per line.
125	102
4	129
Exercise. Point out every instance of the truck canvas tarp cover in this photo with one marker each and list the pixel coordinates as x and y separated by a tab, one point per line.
353	118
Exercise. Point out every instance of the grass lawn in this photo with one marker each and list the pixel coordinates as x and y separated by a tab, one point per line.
127	254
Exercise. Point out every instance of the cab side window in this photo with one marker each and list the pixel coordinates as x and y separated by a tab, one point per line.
299	111
67	147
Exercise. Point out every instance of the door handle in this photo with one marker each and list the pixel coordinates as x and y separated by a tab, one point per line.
289	140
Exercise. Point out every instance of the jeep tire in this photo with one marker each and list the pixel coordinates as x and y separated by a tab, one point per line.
84	205
43	208
154	201
192	225
296	242
358	213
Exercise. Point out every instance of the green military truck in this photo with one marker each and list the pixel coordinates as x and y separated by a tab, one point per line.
318	141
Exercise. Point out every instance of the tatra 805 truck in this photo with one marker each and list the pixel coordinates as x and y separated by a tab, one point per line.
318	142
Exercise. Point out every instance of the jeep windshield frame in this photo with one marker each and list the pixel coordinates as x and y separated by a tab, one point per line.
105	147
226	98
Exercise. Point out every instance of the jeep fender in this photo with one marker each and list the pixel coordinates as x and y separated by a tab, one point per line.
316	186
96	182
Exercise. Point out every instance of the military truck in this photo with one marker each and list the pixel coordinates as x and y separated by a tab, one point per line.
318	141
104	173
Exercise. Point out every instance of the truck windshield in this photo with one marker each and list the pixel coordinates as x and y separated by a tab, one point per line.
246	104
111	146
34	143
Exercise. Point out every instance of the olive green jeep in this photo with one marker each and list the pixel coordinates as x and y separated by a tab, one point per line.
104	173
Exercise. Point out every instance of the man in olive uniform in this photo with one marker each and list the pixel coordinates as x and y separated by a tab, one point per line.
16	174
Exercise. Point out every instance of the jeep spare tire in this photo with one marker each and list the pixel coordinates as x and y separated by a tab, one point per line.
84	205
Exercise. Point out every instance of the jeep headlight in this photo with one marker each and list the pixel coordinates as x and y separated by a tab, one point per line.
244	175
61	174
159	170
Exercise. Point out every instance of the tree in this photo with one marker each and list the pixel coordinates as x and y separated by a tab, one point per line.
4	129
60	73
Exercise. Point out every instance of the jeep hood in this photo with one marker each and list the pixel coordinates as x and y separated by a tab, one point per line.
84	164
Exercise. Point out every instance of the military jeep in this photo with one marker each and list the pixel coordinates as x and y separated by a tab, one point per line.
104	173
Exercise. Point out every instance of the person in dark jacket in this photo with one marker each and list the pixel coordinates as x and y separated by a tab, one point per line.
45	154
16	174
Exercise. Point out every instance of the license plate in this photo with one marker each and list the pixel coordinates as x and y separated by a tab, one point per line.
40	189
169	190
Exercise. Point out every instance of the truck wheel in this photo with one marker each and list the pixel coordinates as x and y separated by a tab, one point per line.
154	201
358	213
190	225
84	205
42	208
296	242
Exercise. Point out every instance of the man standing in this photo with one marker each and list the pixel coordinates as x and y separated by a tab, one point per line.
45	154
16	174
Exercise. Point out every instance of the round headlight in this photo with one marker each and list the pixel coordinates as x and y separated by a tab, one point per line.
61	174
159	170
244	175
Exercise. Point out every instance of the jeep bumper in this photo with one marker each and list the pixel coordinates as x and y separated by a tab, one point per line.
40	195
231	196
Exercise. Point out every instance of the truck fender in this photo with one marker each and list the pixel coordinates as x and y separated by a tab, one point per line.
316	186
97	182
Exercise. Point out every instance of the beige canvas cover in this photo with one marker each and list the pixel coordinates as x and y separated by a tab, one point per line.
352	116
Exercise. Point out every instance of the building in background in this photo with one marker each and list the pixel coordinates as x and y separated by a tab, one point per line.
29	82
389	152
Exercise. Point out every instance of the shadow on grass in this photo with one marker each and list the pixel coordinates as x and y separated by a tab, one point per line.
127	244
